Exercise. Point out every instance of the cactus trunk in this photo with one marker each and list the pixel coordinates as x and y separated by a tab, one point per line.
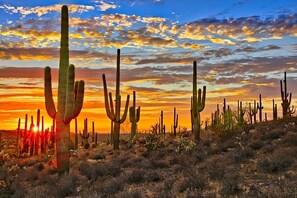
70	98
114	113
198	104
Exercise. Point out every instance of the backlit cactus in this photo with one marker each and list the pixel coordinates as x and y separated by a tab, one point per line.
274	110
175	121
134	116
260	107
286	97
198	104
114	113
85	135
70	97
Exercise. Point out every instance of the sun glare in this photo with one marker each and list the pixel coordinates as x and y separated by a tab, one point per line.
35	129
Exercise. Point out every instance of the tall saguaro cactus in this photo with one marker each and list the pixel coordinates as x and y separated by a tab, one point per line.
198	104
114	113
260	107
274	110
286	97
175	121
134	116
70	97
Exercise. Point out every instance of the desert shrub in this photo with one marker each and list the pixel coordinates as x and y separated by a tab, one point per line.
217	166
151	176
230	183
276	162
269	148
136	176
129	193
9	170
192	182
200	155
112	186
97	156
156	164
273	134
256	145
66	185
242	156
153	141
290	139
184	145
94	170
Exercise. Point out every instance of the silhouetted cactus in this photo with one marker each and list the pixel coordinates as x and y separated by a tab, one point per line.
70	97
286	97
198	104
241	113
260	107
114	113
175	121
18	138
134	116
274	110
161	124
253	112
85	135
93	131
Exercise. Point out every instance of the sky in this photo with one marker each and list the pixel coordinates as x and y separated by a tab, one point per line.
242	49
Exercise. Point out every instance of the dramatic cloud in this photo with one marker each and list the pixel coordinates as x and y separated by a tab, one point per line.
42	10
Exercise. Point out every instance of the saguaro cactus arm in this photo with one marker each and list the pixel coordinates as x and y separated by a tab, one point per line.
126	109
48	94
108	109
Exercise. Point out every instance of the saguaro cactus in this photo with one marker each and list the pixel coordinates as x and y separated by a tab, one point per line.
198	103
260	107
241	113
114	114
286	97
134	116
175	121
274	110
85	135
70	98
161	124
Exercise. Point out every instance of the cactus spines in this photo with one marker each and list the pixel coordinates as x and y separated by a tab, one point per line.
134	116
260	107
175	121
114	113
274	110
286	97
70	97
198	103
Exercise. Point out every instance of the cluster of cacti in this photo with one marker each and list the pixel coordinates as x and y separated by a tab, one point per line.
286	97
175	121
34	141
70	97
134	116
252	112
114	113
197	104
240	113
85	135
